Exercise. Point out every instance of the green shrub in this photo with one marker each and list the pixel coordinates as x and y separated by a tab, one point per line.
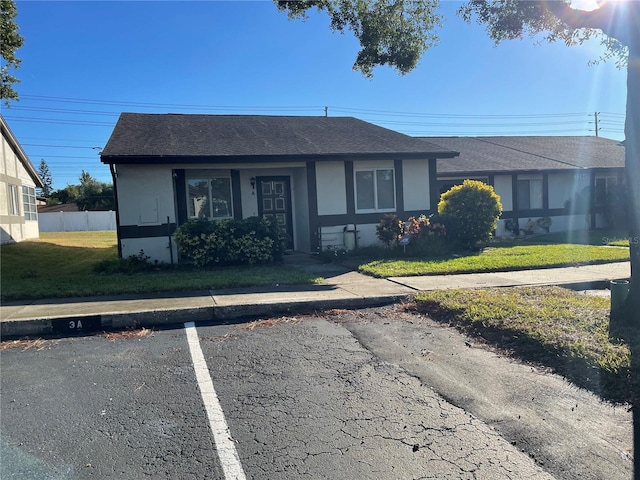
389	229
469	212
132	264
426	238
250	241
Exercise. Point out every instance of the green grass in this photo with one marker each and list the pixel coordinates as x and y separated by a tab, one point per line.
614	238
62	265
552	326
498	258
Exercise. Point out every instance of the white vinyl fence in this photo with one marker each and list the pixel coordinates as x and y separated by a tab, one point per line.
76	221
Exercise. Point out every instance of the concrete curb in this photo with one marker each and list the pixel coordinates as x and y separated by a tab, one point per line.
91	323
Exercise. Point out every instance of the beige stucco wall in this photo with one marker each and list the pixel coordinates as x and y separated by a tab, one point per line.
502	186
14	228
331	188
415	181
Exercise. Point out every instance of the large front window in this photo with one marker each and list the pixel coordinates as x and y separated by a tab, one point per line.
375	190
209	197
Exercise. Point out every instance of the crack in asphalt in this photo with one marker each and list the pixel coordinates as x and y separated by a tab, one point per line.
324	400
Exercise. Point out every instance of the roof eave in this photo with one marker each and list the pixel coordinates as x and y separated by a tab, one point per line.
167	159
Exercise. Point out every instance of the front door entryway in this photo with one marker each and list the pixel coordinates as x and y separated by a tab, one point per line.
274	200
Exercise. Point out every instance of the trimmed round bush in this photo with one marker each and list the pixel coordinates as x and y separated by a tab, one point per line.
470	213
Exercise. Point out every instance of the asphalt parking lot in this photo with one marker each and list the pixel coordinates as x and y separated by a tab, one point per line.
333	396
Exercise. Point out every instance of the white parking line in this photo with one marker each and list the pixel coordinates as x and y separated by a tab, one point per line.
224	444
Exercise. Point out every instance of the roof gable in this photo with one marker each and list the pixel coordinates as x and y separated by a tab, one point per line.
234	136
17	148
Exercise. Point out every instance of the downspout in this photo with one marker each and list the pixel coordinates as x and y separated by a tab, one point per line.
114	175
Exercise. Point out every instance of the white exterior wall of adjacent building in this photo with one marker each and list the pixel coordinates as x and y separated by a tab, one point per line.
17	221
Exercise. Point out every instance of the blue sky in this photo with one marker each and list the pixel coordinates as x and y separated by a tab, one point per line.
84	62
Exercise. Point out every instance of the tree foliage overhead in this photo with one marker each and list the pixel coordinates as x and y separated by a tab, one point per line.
409	29
391	32
10	41
512	19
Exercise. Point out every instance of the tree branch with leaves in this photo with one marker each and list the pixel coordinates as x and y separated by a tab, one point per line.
10	41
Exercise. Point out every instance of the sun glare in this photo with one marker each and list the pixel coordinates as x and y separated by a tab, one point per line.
585	4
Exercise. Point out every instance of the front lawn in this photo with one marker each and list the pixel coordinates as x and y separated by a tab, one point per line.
498	258
552	326
62	265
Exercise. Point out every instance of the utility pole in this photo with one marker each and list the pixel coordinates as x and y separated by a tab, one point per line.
596	116
326	111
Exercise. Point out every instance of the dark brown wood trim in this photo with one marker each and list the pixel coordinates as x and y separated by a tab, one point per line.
147	231
434	191
398	177
312	200
236	193
350	187
114	179
180	186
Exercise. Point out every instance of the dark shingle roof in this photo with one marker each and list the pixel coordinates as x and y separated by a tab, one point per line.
508	154
241	136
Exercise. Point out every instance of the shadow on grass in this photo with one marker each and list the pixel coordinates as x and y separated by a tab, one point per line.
41	270
617	387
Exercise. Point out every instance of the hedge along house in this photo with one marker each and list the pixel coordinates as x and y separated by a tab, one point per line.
327	180
575	181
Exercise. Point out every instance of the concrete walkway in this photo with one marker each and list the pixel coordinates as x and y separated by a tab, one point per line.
342	289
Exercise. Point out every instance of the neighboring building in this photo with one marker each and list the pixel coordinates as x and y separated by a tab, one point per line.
576	181
322	178
18	183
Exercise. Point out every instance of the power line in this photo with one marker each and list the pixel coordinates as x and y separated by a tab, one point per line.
166	105
451	115
60	140
59	121
54	146
67	111
524	124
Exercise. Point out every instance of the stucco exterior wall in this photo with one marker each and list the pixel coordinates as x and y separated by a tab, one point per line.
332	177
13	225
502	186
335	236
415	180
300	200
145	195
146	199
331	188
